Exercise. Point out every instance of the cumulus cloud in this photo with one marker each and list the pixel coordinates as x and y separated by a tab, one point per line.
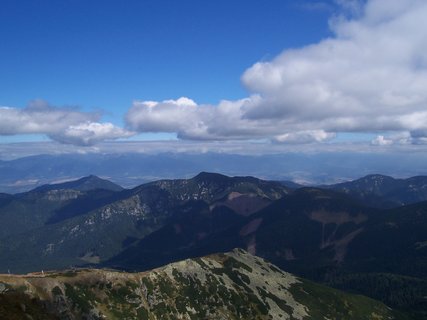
305	136
370	76
418	137
39	117
65	125
181	115
90	133
381	141
197	122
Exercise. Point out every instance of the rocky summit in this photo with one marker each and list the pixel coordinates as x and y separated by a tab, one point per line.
233	285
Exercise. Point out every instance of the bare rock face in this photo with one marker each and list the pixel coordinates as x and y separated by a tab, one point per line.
233	285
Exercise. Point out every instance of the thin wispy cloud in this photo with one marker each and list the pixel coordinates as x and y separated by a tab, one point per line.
315	6
350	7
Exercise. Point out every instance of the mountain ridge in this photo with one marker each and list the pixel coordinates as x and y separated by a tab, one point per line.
234	285
132	169
77	229
87	183
385	191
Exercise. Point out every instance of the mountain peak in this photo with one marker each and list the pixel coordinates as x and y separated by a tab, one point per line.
210	176
87	183
90	178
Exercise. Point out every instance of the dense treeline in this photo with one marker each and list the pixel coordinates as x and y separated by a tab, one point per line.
401	292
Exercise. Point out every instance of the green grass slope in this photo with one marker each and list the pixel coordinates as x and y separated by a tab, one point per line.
234	285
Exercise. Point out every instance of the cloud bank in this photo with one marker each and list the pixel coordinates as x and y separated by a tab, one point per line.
65	125
370	76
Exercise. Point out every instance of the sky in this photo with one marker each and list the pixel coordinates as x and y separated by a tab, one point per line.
278	74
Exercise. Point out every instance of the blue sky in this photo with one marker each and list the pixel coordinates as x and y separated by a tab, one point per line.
105	54
278	72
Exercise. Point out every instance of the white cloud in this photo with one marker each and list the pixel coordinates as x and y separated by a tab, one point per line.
196	122
90	133
39	117
65	125
369	77
305	136
381	141
178	115
402	138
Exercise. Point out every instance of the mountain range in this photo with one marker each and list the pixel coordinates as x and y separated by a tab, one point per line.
132	169
367	236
